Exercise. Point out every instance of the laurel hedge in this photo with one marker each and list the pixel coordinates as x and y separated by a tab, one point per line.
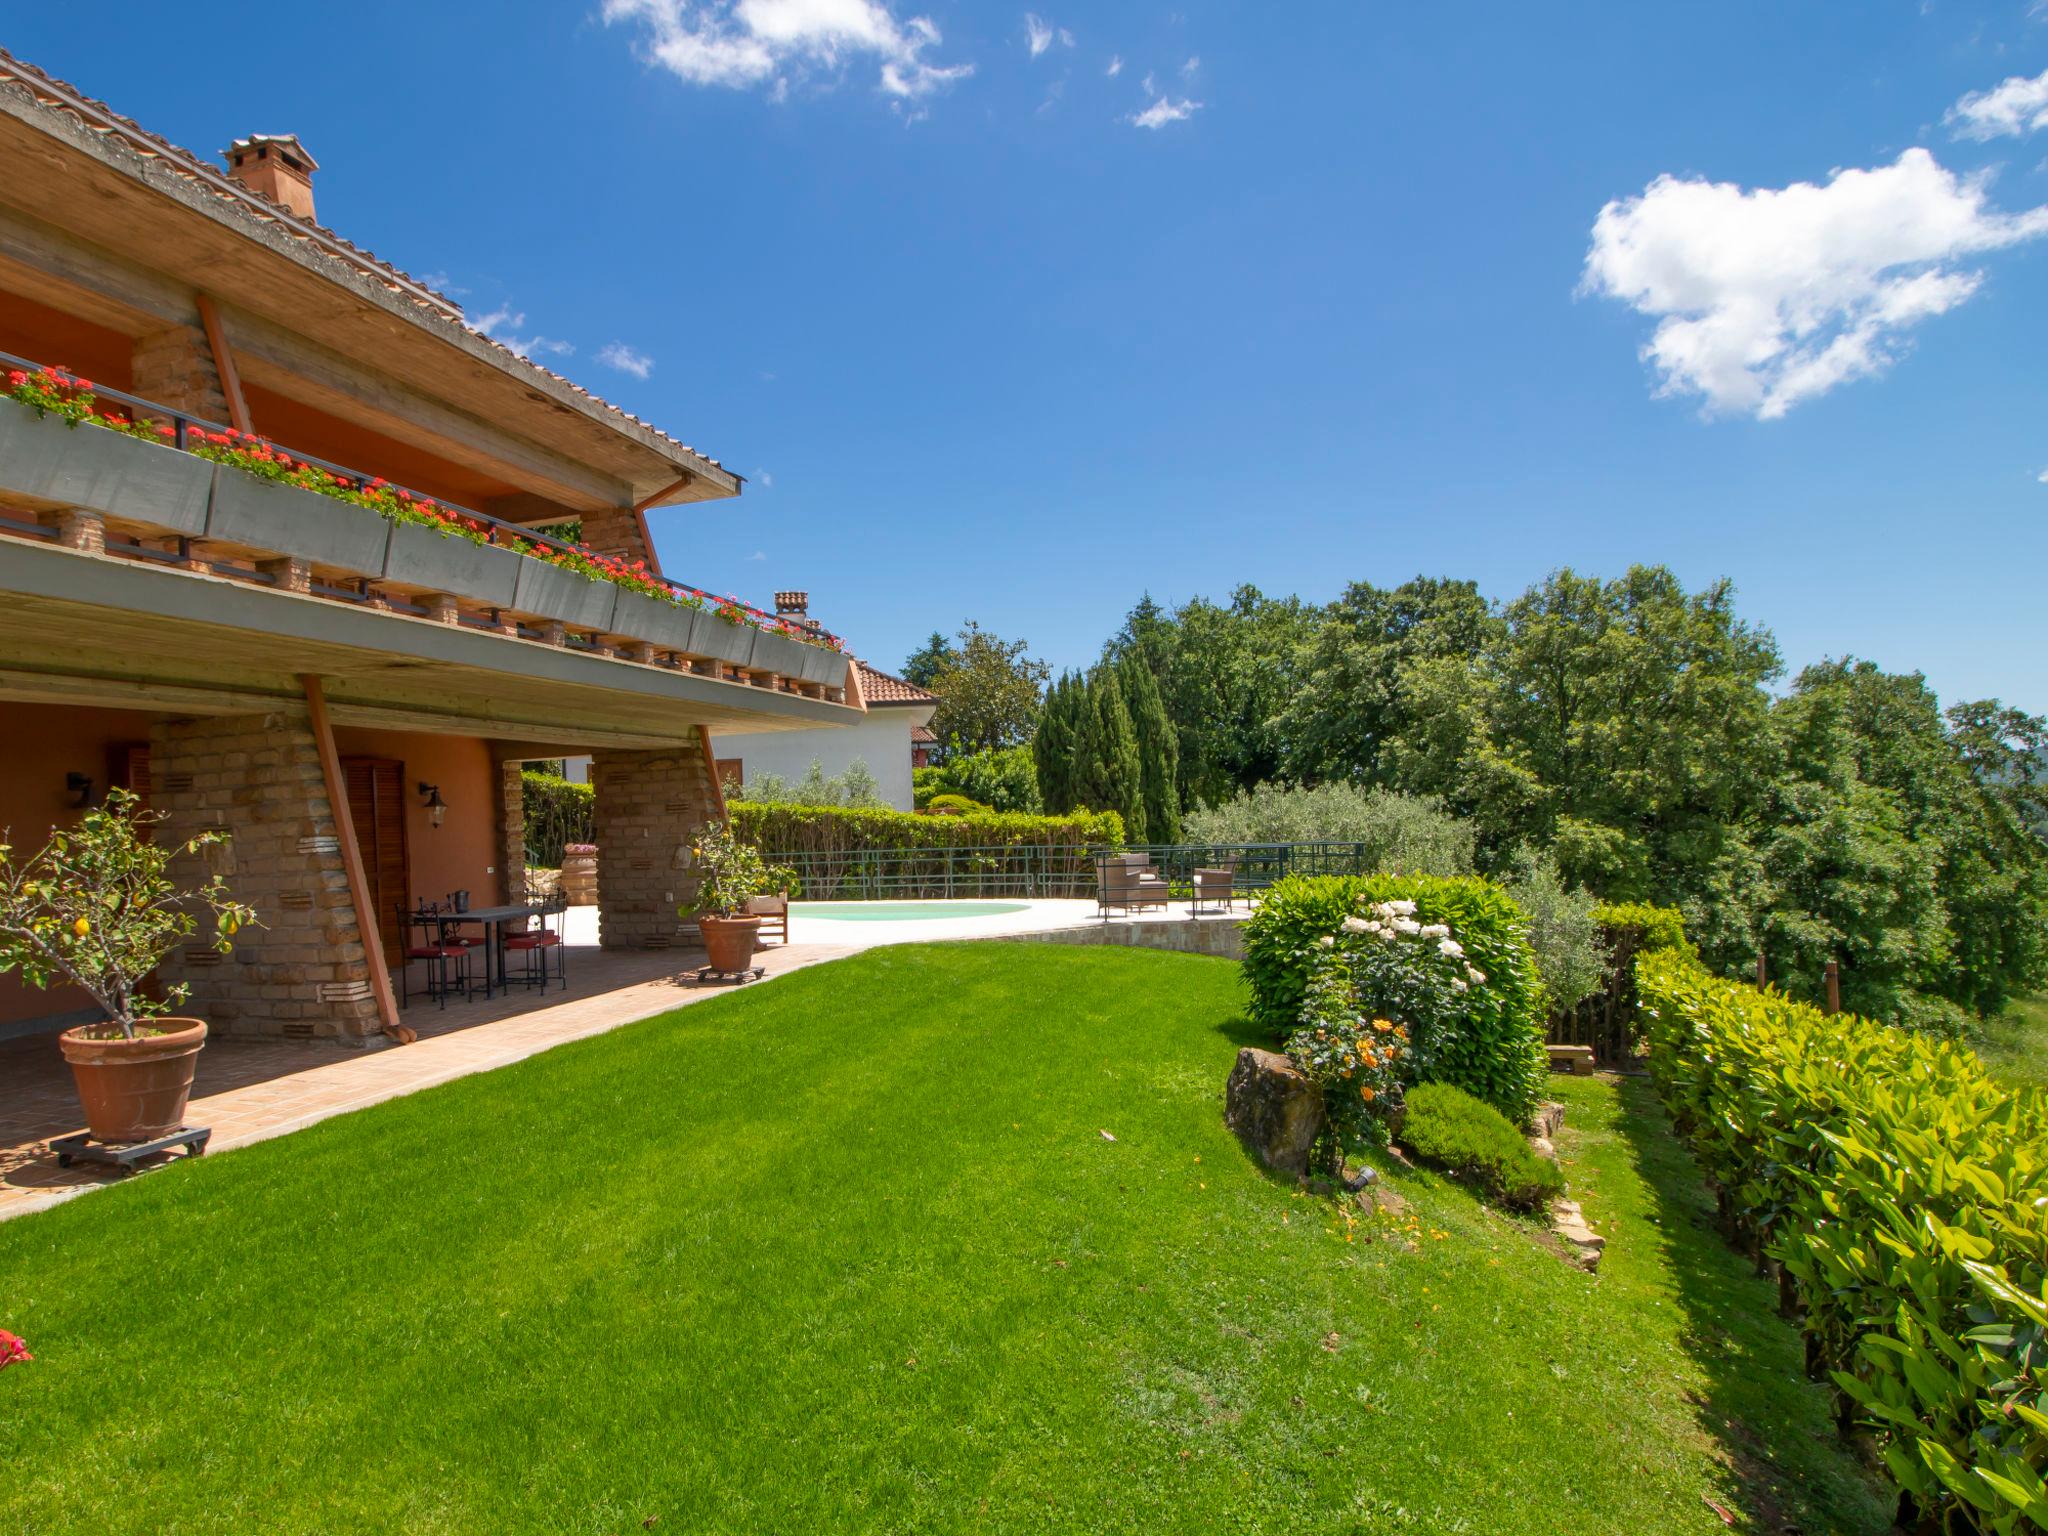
1904	1193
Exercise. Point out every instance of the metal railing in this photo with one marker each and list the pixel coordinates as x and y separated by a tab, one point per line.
939	874
497	530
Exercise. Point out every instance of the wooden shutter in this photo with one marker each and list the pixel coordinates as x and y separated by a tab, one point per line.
376	805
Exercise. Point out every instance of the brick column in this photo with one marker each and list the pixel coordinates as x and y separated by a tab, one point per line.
648	805
304	973
175	367
616	531
511	820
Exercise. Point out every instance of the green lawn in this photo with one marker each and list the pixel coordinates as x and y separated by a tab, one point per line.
849	1251
2015	1045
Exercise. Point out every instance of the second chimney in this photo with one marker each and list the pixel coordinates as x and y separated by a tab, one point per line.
277	166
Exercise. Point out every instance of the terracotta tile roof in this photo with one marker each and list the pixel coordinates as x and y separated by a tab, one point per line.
922	735
885	688
97	116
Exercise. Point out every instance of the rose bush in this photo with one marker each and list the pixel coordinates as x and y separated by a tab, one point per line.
1449	959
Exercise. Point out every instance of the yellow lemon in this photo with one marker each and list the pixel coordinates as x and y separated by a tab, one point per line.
81	927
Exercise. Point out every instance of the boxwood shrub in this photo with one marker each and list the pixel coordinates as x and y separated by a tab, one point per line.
1495	1052
1905	1194
1447	1128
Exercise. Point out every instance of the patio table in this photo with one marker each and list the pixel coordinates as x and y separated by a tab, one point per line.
492	920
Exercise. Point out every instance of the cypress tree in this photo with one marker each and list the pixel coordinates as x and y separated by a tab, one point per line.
1054	744
1158	749
1106	770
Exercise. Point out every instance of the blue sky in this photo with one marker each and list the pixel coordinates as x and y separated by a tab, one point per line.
1297	295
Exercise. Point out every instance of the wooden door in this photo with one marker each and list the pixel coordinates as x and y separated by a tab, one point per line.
376	805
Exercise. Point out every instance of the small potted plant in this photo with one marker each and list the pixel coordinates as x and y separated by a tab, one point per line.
97	907
733	874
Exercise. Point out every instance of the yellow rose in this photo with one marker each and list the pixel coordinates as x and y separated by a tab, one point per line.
81	927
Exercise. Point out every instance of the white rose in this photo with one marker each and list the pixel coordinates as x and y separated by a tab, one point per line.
1457	985
1478	976
1450	947
1356	925
1437	931
1404	908
1326	941
1407	925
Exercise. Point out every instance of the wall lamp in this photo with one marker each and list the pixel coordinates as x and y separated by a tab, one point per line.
79	787
436	806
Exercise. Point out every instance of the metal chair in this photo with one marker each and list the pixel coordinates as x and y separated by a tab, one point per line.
532	947
447	963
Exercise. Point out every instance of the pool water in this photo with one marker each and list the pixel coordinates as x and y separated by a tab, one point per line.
902	911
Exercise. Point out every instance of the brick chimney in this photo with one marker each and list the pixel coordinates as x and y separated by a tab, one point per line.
796	607
277	166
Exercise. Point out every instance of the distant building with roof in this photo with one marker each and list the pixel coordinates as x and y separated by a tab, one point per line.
891	739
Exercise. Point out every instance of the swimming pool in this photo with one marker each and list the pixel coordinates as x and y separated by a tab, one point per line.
902	911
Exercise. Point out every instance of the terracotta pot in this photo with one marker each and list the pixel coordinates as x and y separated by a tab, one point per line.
729	941
133	1090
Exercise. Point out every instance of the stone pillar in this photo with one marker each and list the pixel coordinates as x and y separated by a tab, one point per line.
617	531
511	818
174	367
304	973
648	807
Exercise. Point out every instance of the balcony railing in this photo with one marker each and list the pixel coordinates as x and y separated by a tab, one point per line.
219	518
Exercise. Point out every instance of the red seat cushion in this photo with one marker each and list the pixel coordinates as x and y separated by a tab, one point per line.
532	940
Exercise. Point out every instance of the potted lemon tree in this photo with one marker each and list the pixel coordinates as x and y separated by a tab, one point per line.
732	874
97	907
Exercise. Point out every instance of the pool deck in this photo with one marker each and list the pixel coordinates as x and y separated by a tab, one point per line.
252	1090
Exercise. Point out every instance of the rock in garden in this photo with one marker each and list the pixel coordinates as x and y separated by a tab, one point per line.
1274	1110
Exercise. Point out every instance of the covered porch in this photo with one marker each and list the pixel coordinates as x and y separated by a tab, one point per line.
322	735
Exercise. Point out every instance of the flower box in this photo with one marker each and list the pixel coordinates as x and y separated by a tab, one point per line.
549	592
726	641
432	561
789	657
284	520
664	625
103	471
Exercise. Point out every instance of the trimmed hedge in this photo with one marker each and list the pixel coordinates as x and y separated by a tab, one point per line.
1905	1195
557	812
1447	1128
842	829
1497	1054
1650	928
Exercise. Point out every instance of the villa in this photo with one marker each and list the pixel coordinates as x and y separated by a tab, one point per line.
292	563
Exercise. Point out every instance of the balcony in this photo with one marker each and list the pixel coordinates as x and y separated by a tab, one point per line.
173	506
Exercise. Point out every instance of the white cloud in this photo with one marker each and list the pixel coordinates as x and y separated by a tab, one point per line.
1766	297
1040	34
742	43
759	554
2042	477
1191	68
764	479
616	354
503	325
2009	109
1164	111
1116	65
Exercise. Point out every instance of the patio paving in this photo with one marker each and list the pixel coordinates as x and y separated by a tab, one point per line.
250	1090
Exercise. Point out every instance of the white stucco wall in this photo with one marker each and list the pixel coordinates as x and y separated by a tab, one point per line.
882	741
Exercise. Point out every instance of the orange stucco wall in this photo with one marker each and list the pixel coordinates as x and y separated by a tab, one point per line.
462	852
39	744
